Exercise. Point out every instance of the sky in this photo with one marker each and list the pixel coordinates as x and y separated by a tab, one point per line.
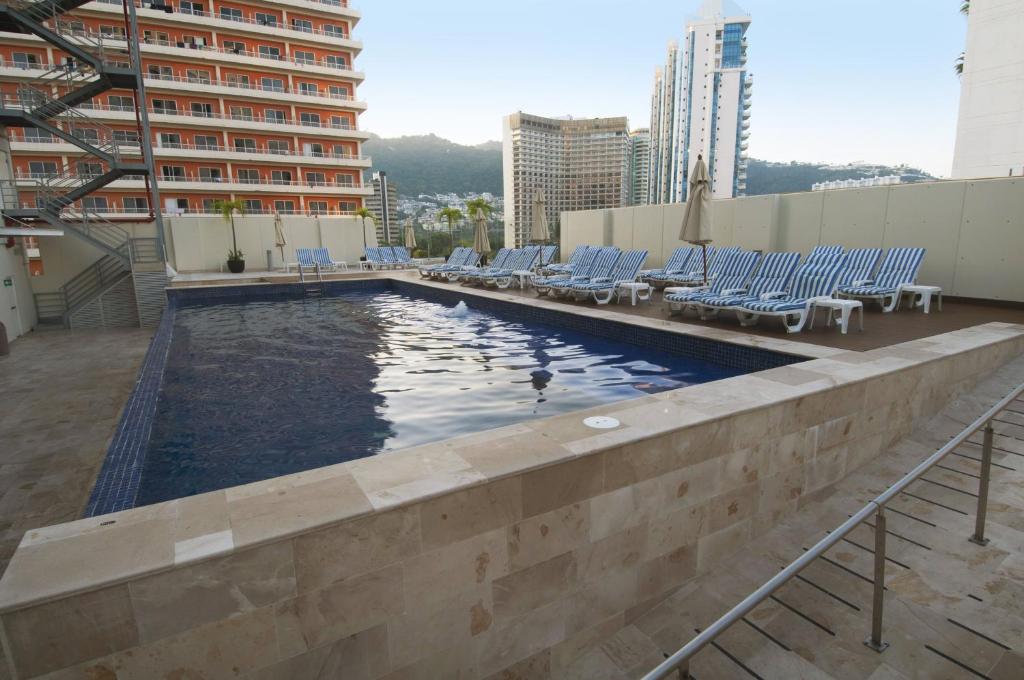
836	81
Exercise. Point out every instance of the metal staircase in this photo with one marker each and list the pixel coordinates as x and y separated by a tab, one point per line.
55	103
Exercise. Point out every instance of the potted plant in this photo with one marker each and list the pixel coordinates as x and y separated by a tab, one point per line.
227	209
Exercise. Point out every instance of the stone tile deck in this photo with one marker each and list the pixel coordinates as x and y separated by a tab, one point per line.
950	605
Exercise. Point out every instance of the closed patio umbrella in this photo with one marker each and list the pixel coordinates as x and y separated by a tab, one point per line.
481	243
697	217
410	236
279	239
539	224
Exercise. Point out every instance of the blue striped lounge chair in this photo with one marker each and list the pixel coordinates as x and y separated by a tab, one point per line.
898	269
402	256
566	267
602	289
693	274
584	257
456	257
525	260
771	277
460	259
678	261
322	258
811	282
305	258
860	265
733	277
476	275
603	264
822	254
374	257
547	255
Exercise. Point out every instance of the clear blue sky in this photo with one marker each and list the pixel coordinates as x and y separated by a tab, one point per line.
834	80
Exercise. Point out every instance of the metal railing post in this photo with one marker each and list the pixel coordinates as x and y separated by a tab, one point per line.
878	599
684	671
986	468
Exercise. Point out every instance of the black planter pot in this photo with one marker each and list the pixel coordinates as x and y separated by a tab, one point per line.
236	266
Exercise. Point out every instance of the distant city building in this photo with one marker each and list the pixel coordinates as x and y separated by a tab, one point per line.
639	166
990	127
580	164
700	105
375	204
857	183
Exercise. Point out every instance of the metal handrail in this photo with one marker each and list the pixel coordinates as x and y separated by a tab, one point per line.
680	660
132	149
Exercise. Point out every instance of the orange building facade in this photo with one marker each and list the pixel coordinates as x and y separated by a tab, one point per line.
252	100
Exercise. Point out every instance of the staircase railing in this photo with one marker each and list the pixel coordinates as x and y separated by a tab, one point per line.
88	283
97	227
679	662
70	120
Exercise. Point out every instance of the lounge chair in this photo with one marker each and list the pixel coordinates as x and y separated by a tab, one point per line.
460	258
822	254
733	277
603	288
602	267
375	257
477	274
323	259
526	260
898	269
547	255
566	267
579	265
678	261
860	265
456	256
771	277
718	259
811	282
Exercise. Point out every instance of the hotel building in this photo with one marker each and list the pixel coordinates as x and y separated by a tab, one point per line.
579	164
252	100
700	105
639	166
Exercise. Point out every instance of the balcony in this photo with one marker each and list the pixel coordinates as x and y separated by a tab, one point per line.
30	181
161	83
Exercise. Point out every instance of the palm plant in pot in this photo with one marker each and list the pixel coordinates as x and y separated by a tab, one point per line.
227	209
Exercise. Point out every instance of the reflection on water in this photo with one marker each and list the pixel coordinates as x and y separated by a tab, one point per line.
258	389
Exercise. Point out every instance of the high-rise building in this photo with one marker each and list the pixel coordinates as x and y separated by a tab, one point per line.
990	127
251	99
375	204
579	164
700	105
639	166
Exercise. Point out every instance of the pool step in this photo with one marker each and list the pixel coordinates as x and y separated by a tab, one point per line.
314	291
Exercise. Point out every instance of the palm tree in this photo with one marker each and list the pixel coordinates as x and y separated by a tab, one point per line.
453	215
227	209
958	65
474	204
364	213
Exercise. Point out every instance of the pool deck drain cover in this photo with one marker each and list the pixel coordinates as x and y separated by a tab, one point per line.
601	422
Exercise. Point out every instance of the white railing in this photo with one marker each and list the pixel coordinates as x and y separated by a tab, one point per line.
132	148
343	125
249	86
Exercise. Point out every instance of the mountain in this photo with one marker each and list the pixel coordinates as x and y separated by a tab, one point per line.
428	164
768	177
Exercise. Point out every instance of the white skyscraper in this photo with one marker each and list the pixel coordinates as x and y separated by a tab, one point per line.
639	166
700	105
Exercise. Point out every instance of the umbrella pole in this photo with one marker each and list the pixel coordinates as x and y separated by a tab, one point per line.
704	252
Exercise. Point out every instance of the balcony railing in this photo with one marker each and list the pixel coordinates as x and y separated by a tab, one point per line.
241	85
331	125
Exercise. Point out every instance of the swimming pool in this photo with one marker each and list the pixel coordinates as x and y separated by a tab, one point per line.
258	386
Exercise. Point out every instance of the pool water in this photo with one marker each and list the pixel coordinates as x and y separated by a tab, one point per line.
257	389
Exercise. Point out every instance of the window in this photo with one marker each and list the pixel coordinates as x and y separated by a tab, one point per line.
273	115
116	32
120	103
344	180
209	174
335	30
188	7
25	60
317	207
233	46
193	41
272	84
253	205
310	119
126	136
169	140
284	206
202	110
172	173
165	106
336	61
268	52
36	135
303	57
89	170
230	14
347	206
339	92
238	79
245	145
308	88
278	146
303	25
313	149
198	76
206	142
340	123
280	177
241	112
156	38
90	135
95	203
264	19
316	179
136	204
38	169
160	72
248	176
178	204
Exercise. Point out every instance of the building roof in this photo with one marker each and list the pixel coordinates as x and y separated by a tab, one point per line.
711	9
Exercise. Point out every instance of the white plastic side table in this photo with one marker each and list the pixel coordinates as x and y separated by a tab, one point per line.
637	291
525	277
923	296
844	307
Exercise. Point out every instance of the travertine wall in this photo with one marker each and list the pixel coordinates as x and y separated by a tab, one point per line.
973	230
504	550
